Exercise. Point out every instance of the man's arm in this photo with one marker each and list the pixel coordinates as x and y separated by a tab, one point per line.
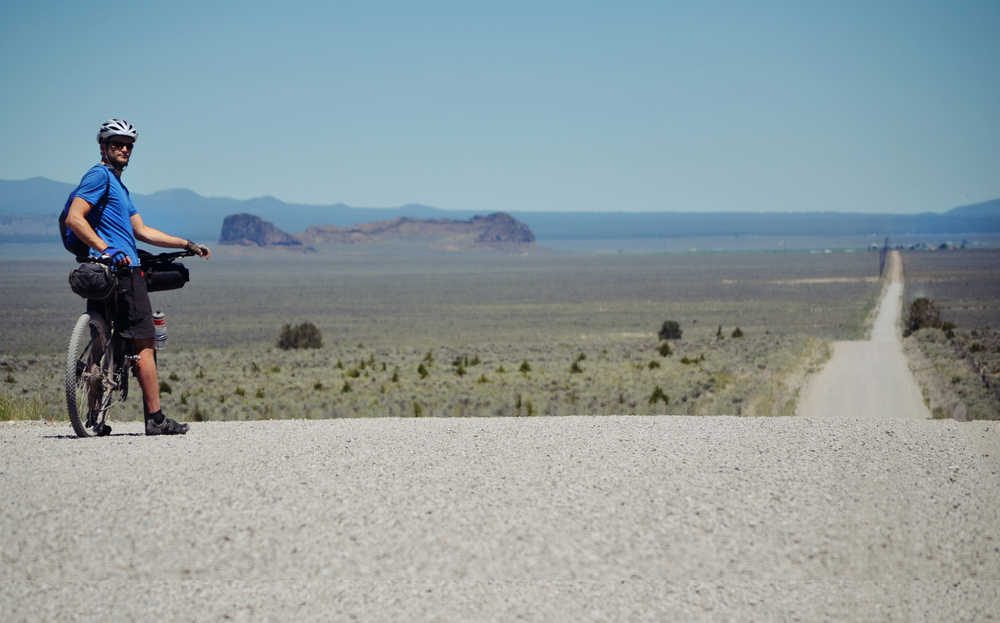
76	220
154	236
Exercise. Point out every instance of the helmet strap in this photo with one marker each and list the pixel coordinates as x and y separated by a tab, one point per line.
107	161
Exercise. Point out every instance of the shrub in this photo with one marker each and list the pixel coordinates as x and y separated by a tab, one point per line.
240	391
737	332
525	367
260	392
395	375
657	395
482	379
353	373
305	335
575	368
417	409
197	415
422	371
318	385
718	333
653	365
173	377
923	313
346	388
665	349
165	388
671	330
460	370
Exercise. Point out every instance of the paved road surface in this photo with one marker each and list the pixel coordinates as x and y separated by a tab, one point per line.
539	519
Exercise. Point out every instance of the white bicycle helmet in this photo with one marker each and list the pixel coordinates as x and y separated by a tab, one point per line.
116	127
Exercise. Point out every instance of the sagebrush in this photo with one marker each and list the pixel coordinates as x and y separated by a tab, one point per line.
305	335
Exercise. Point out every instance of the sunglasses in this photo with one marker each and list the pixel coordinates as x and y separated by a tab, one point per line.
121	144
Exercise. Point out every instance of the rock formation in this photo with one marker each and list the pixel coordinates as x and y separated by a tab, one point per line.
250	230
498	231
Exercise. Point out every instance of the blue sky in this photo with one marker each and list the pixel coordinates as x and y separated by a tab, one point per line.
628	106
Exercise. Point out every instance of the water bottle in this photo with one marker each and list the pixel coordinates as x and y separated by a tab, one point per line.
160	324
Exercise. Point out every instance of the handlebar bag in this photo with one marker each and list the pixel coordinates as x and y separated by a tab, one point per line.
92	281
170	276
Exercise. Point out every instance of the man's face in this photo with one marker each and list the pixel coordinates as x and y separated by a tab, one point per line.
118	150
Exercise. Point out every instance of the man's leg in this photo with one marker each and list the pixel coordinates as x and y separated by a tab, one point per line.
148	380
156	423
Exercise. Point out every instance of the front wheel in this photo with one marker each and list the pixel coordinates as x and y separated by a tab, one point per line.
89	374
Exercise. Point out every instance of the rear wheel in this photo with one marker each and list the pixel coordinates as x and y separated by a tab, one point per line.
89	373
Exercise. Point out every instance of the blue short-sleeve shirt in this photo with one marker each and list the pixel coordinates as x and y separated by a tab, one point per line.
115	225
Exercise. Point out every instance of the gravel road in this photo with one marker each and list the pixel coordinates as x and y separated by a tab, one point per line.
496	519
869	378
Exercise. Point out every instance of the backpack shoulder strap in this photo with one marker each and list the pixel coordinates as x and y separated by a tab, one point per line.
103	201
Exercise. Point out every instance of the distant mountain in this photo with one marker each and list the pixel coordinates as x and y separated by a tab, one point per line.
497	231
28	209
985	209
36	203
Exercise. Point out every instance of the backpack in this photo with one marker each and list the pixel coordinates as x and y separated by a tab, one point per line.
73	244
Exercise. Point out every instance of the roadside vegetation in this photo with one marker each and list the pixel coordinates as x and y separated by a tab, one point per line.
958	370
952	326
466	335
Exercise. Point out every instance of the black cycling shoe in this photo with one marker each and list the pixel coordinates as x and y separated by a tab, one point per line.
166	427
103	430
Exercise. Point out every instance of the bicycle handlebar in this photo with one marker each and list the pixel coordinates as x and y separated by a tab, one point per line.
146	258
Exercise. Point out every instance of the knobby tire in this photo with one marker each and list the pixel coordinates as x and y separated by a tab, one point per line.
88	366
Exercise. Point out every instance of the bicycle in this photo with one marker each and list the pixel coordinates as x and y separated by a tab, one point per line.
99	360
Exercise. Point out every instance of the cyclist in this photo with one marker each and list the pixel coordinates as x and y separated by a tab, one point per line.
112	233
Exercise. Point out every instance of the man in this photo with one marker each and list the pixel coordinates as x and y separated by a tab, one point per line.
112	232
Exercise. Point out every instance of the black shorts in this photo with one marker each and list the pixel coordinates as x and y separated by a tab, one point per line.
133	312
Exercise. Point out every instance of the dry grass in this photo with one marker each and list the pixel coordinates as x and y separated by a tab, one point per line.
965	287
380	314
951	384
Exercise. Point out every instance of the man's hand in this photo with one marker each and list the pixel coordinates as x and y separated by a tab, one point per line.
198	249
117	256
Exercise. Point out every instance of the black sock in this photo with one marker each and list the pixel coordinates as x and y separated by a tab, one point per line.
156	417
